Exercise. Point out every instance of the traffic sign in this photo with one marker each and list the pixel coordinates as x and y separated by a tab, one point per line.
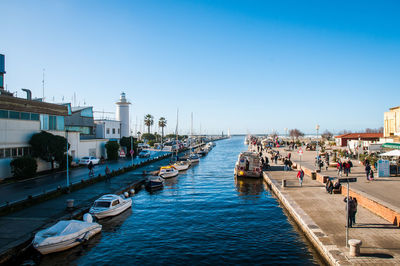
347	180
122	153
132	152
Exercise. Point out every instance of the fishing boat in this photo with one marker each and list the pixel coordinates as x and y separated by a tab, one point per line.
109	205
248	165
182	165
168	172
154	183
65	235
202	152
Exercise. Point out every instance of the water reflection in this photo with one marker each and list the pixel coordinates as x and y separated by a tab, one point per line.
249	186
113	224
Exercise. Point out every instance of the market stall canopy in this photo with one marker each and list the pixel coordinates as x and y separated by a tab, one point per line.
391	153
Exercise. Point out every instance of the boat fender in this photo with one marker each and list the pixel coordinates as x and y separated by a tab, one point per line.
87	217
126	194
132	192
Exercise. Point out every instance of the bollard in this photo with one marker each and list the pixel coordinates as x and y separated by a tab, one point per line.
283	182
70	203
355	245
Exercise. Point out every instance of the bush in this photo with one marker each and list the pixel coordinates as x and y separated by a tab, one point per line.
63	162
112	150
23	167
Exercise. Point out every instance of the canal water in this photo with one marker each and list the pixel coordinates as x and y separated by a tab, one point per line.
203	216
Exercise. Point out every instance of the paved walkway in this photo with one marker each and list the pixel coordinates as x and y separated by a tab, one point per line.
384	189
18	227
325	215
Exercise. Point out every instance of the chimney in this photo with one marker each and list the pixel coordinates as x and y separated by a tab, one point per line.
28	94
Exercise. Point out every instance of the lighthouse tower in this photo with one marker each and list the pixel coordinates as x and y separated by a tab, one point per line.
123	114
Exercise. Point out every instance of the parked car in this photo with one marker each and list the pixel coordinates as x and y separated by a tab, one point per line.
144	154
87	159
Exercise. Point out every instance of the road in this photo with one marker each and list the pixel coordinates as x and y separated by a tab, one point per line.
20	190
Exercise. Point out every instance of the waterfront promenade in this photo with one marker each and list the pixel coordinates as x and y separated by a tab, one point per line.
322	216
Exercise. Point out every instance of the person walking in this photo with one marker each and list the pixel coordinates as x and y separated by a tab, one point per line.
367	170
300	176
339	168
350	165
107	172
350	211
371	175
90	167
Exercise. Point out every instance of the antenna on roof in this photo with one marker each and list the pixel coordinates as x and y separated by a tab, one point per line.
43	86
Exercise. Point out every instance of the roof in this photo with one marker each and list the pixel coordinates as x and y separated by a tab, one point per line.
393	108
24	105
80	108
360	135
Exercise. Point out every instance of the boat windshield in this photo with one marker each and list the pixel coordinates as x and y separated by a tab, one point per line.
102	204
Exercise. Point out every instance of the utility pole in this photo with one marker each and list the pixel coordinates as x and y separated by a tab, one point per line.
67	161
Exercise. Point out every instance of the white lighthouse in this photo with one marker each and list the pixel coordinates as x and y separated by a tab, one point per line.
123	114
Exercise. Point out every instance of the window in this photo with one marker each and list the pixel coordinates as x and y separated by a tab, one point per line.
118	131
3	114
34	117
20	151
115	202
60	123
108	131
26	151
44	122
14	115
14	152
113	130
1	153
25	116
7	153
52	122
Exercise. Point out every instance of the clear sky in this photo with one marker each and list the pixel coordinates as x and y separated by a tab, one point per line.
251	66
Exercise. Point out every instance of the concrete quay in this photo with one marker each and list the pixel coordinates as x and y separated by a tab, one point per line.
322	217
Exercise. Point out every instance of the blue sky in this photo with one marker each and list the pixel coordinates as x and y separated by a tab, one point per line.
251	66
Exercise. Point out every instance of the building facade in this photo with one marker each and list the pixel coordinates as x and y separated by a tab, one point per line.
19	120
392	124
81	120
108	129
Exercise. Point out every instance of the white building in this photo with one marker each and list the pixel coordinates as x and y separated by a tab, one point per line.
108	129
122	115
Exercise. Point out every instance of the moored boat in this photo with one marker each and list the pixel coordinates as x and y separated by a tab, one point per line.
181	165
168	172
248	165
154	183
65	235
193	158
109	205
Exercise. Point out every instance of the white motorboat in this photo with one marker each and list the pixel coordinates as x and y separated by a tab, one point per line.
181	165
109	205
168	172
65	235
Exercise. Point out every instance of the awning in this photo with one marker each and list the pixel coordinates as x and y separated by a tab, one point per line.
391	153
391	145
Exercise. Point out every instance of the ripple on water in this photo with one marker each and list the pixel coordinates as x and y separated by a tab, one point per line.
204	216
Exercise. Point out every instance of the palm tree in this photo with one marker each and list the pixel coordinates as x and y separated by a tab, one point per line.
148	121
162	123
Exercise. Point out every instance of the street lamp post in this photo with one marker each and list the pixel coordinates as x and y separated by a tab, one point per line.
131	148
67	161
317	148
